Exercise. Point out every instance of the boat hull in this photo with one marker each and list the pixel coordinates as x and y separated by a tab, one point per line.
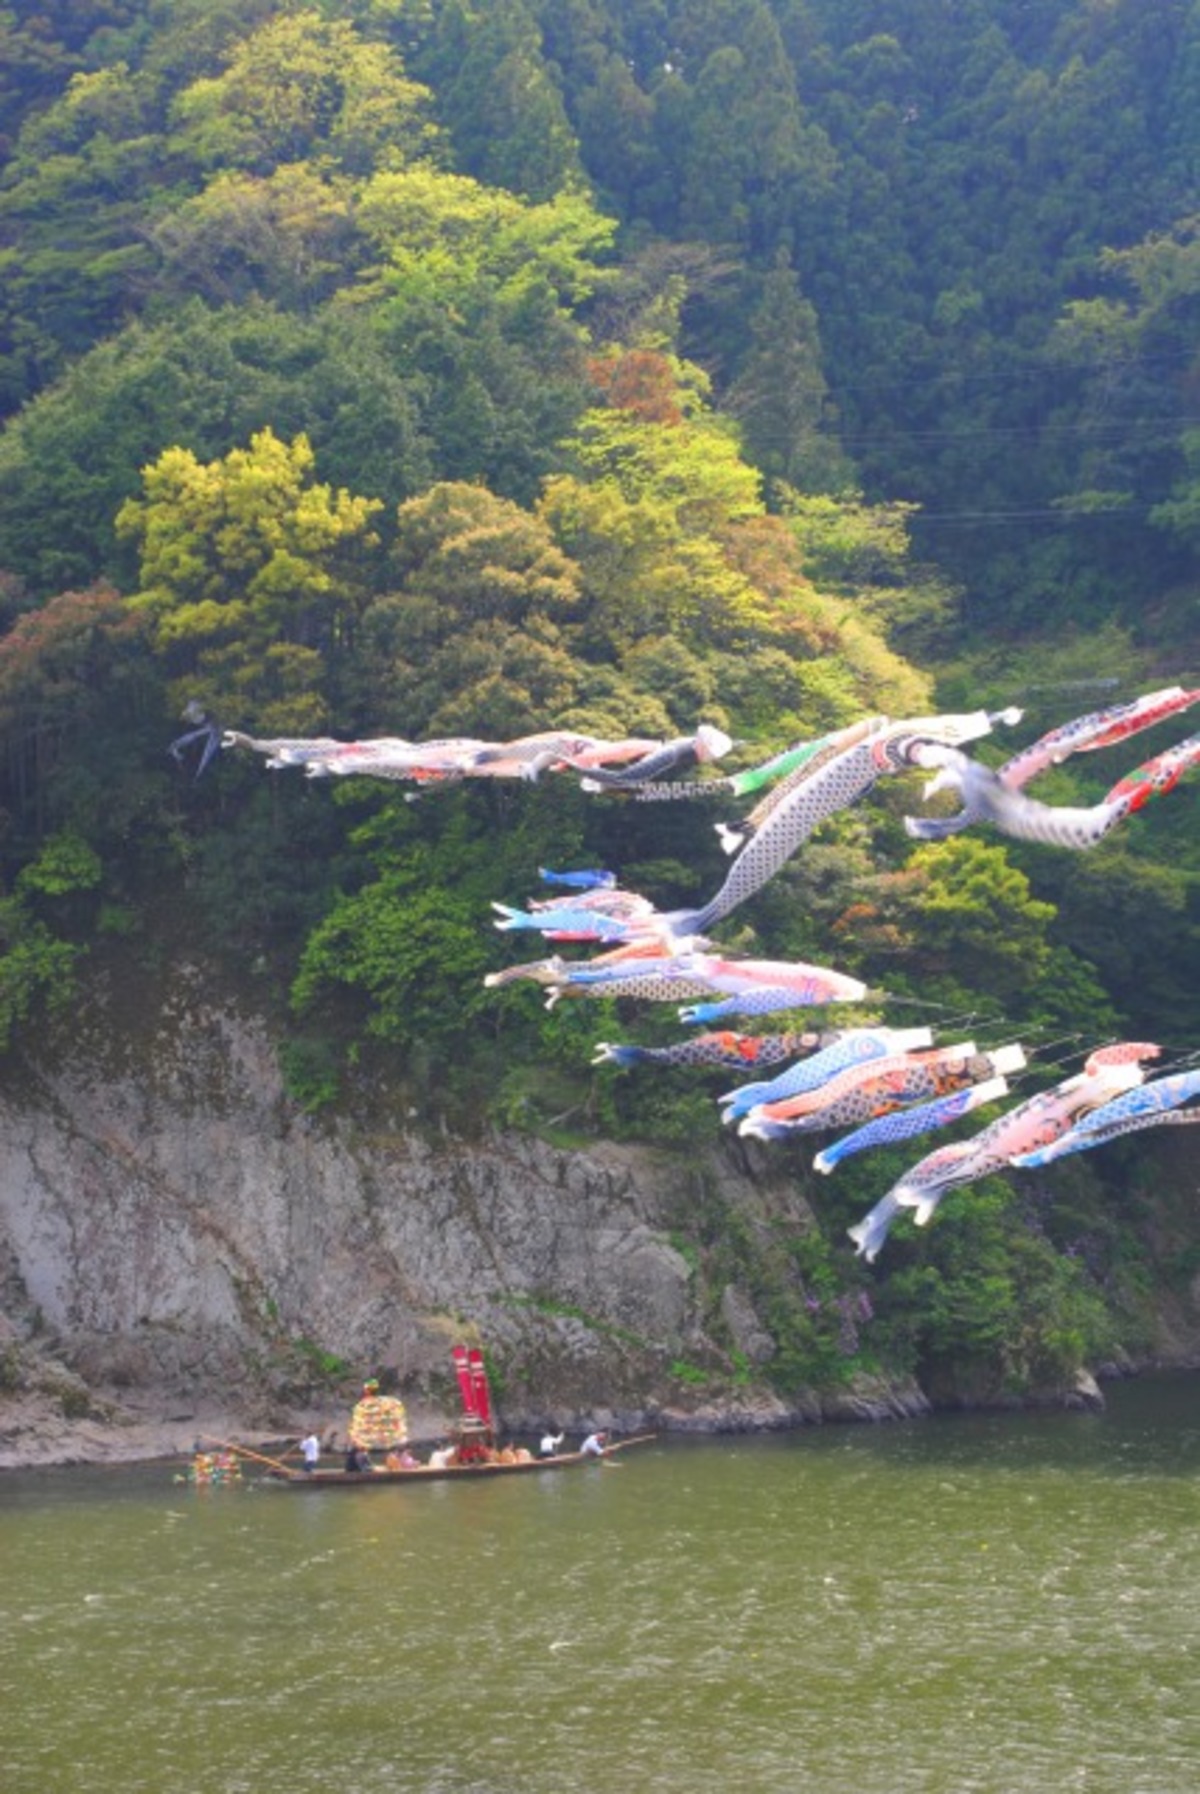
425	1473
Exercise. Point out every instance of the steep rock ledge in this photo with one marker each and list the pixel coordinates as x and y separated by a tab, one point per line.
182	1248
178	1237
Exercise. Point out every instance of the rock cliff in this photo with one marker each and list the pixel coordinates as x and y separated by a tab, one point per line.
177	1236
182	1246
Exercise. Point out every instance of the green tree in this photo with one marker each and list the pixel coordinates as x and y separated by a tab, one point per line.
251	577
667	523
498	98
73	224
656	481
300	86
201	380
288	237
77	690
745	145
477	295
37	969
956	918
1133	908
472	637
780	395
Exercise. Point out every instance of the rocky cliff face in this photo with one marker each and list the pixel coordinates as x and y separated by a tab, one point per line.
179	1239
174	1230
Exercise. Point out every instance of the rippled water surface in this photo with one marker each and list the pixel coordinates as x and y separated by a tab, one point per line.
970	1605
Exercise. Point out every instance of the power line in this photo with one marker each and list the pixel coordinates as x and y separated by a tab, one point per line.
957	380
1060	514
1118	427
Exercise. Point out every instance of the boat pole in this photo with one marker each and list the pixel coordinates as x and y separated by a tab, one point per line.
245	1452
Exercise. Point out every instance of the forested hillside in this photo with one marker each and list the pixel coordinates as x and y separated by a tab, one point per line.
423	368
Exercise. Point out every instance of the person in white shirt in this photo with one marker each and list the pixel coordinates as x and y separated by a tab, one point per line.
311	1447
594	1445
550	1444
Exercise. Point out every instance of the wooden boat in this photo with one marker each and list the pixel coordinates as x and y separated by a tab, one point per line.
424	1473
474	1438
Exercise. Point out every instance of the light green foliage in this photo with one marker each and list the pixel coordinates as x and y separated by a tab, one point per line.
244	567
960	908
640	518
446	234
64	864
476	292
411	946
406	953
415	956
643	573
302	85
846	543
666	521
693	470
288	236
37	965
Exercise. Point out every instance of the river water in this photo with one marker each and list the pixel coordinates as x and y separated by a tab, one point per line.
964	1605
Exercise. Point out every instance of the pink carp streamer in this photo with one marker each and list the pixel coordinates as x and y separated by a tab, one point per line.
1156	1104
750	986
1032	1124
997	797
1085	734
1022	818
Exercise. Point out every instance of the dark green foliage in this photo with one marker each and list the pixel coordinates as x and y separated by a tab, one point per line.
414	954
944	181
990	1308
262	862
204	381
498	97
37	965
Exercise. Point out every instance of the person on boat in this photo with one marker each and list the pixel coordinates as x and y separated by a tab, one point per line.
310	1449
357	1458
594	1445
551	1444
522	1454
442	1457
401	1460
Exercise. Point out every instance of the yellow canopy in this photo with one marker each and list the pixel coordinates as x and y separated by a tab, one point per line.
379	1421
